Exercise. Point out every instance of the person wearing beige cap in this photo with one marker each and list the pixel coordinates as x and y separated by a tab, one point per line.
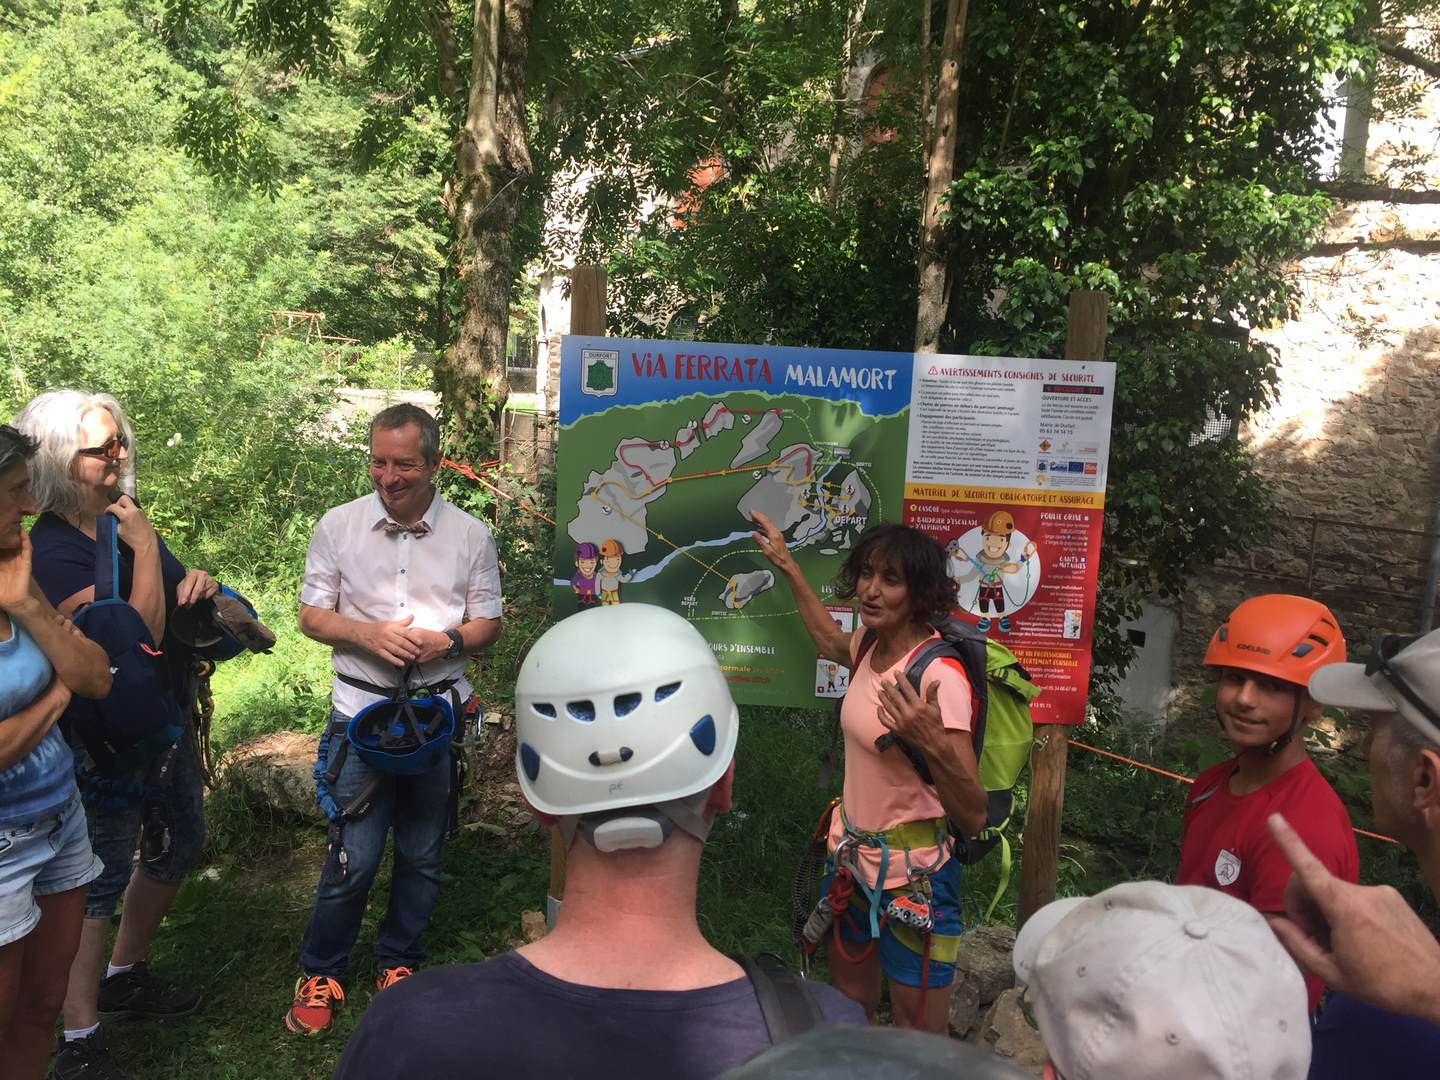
1150	980
1382	964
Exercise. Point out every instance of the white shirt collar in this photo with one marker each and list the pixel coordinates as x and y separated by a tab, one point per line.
379	515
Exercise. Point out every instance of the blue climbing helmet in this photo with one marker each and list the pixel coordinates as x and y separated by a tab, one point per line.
624	724
406	734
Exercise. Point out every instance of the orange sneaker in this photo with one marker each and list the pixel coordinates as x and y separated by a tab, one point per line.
313	1010
388	977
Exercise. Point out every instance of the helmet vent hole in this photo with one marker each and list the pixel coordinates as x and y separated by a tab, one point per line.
1303	649
665	691
547	711
703	735
625	704
584	711
529	761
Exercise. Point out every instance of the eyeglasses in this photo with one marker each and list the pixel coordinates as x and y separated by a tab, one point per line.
112	449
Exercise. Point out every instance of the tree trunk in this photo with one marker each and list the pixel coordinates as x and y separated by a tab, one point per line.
842	99
934	286
492	164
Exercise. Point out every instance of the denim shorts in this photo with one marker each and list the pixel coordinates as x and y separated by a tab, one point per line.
44	857
902	950
119	824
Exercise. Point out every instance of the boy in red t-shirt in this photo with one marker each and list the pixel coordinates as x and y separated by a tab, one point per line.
1265	654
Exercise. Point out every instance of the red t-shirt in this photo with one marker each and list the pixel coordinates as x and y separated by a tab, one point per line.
1225	845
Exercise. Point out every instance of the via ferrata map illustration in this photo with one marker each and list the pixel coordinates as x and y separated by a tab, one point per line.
653	504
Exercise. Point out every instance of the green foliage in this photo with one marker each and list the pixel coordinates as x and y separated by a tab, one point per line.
224	138
1165	157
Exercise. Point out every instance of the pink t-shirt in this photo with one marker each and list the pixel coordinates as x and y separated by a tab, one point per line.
882	790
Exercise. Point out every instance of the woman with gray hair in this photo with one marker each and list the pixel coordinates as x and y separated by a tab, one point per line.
85	468
45	855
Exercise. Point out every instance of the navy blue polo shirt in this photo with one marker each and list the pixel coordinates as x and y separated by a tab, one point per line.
64	564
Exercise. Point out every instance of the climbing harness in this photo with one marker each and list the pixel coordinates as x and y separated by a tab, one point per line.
911	908
398	717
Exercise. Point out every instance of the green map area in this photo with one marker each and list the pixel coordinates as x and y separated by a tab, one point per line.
672	484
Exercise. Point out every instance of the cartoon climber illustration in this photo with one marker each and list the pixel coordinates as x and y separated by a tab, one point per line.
587	560
610	578
992	562
830	670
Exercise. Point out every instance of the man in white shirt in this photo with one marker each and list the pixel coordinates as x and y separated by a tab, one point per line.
401	585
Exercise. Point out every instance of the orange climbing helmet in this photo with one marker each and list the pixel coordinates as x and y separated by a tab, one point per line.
610	548
999	523
1285	637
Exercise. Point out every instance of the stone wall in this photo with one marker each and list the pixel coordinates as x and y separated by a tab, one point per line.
1351	445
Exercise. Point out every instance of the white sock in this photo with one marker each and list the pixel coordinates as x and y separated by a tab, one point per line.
80	1033
117	969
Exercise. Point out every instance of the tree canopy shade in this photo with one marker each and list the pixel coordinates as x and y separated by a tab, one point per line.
746	172
1163	153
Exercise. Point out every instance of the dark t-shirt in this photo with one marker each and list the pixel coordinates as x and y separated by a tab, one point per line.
506	1018
64	564
1353	1039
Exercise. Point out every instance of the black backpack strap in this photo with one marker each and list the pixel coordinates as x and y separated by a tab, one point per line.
107	558
957	642
785	999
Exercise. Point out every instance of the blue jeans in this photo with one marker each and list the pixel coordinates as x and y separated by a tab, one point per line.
417	808
126	809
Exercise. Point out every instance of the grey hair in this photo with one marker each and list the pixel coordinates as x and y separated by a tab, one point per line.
397	416
53	419
15	447
1404	733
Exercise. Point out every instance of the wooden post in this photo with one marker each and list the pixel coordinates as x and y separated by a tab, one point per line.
587	300
1039	863
587	316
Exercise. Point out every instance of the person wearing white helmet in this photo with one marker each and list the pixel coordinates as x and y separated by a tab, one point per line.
625	740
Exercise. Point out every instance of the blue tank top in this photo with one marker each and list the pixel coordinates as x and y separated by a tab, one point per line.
43	780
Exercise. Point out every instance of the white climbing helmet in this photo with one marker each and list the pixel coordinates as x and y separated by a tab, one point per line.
623	706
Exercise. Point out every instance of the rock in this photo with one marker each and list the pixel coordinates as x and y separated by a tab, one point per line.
532	925
984	961
1008	1032
275	771
964	1007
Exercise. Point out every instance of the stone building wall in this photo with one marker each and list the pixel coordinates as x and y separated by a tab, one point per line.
1351	444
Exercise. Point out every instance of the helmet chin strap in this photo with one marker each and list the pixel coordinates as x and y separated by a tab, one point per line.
1284	740
639	826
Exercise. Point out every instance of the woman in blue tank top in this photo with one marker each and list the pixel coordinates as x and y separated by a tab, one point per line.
45	856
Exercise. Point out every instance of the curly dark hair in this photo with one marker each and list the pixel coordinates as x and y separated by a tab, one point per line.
918	556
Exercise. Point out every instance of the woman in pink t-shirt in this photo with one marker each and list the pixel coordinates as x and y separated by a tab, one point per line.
890	829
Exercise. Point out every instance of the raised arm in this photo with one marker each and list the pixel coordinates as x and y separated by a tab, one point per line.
831	641
79	663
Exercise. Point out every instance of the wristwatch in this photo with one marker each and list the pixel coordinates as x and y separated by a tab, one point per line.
457	644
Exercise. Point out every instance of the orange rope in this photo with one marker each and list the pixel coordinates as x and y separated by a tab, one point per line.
1190	780
470	474
1129	761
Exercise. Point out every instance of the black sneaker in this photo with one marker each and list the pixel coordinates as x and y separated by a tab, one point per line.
87	1059
138	995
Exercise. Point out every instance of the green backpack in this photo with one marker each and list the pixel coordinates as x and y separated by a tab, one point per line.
1001	730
